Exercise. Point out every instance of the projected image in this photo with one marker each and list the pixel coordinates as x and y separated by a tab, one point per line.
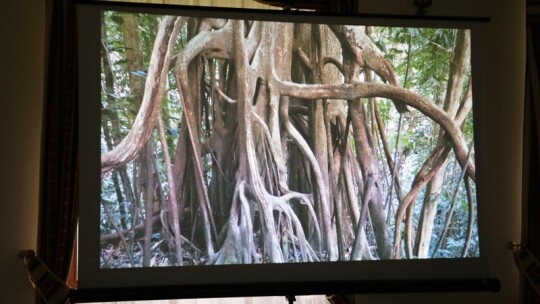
247	142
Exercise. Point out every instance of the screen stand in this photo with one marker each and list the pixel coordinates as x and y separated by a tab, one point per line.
290	299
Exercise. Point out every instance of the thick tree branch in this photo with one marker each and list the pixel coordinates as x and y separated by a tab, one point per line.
208	40
140	132
365	90
356	43
437	157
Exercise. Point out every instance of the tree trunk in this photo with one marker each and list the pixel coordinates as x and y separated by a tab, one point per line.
456	82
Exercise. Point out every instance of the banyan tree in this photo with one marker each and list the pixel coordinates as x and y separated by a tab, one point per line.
233	141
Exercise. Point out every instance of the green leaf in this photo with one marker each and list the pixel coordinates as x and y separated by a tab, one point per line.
413	31
117	19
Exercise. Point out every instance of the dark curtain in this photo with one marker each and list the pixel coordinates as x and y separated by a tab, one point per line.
59	170
531	161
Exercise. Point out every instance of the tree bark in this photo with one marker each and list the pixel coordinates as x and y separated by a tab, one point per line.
362	90
143	125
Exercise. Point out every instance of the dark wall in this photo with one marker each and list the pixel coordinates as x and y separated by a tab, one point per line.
22	28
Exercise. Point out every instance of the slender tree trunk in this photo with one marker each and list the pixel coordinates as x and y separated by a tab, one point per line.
112	117
456	82
372	195
148	164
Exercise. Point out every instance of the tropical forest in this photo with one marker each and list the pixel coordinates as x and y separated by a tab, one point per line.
229	141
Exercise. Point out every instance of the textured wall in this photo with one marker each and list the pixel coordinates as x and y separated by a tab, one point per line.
22	25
